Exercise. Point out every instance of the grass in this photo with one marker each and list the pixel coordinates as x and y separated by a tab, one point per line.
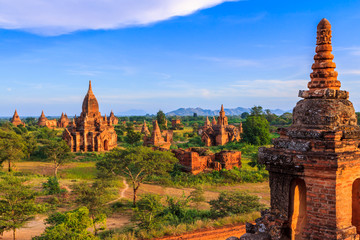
182	228
83	171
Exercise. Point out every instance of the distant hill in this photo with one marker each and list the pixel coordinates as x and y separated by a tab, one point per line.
208	112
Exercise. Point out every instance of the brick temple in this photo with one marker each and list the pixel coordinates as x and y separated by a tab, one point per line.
314	165
63	121
90	131
197	160
16	121
158	138
219	132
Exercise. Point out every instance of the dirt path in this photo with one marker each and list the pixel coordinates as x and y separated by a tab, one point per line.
121	192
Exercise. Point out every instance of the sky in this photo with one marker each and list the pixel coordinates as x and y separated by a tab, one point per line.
166	54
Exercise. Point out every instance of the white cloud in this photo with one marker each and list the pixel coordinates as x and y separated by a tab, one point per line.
57	17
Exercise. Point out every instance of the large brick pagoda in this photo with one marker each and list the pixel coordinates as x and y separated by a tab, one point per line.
90	132
314	165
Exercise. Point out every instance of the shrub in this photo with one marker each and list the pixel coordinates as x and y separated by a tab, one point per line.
230	203
52	186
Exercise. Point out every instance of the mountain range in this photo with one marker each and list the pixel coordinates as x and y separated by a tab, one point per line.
208	112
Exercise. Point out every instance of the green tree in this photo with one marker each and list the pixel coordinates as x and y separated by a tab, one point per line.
133	137
161	119
12	147
94	197
71	225
244	115
17	203
197	196
30	145
136	163
148	211
229	203
256	130
256	111
58	152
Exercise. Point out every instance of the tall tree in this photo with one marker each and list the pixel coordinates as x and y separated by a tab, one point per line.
12	147
17	203
161	119
256	130
136	163
58	152
94	197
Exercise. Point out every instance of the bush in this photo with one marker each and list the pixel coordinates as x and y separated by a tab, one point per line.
230	203
52	186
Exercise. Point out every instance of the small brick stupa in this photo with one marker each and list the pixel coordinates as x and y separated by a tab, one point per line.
157	138
16	121
90	132
145	129
314	165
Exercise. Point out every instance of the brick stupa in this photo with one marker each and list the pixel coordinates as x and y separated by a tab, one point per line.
157	138
16	121
90	132
314	165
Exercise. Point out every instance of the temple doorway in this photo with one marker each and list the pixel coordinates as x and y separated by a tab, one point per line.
106	145
356	204
297	213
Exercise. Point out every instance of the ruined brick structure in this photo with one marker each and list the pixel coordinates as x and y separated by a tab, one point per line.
196	160
220	132
112	119
157	138
314	165
16	121
44	122
64	121
90	132
145	129
175	123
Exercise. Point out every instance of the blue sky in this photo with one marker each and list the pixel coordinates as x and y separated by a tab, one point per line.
166	54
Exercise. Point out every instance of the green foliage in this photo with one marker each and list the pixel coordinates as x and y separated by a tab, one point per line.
229	203
254	162
94	197
52	186
17	203
71	225
137	163
223	177
256	130
58	153
133	137
193	142
244	115
148	211
161	119
12	147
197	196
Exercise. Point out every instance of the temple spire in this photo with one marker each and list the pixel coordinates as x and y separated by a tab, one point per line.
90	88
324	75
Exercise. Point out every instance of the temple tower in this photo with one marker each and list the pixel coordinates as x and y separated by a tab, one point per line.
314	166
145	129
16	121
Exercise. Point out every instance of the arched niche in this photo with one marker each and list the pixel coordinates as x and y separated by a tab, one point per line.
297	211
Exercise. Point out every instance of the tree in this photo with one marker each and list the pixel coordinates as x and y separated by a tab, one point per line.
229	203
70	225
256	130
270	116
244	115
58	153
17	203
256	111
94	197
197	196
30	145
12	147
136	163
133	137
161	119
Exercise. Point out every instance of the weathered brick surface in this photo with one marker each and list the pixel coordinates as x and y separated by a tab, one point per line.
196	160
321	149
157	138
